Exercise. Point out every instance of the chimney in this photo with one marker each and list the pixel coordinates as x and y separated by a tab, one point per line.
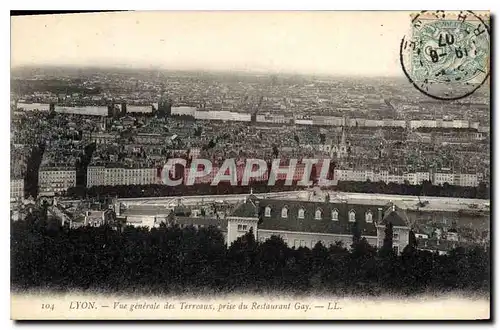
379	214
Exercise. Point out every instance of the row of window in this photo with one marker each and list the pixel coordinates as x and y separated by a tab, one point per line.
68	183
111	183
52	173
112	175
305	243
191	225
301	243
58	177
119	179
16	183
120	175
319	214
120	170
243	228
55	180
52	189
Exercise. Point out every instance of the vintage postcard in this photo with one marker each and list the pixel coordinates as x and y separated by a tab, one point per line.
250	165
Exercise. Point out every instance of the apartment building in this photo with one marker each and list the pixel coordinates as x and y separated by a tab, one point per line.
117	174
16	188
55	179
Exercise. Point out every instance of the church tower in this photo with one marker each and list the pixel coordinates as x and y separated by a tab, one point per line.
342	148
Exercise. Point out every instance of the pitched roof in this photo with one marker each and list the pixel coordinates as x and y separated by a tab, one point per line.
394	218
309	223
248	209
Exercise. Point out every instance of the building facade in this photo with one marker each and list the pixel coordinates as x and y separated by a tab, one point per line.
300	223
17	188
53	181
114	176
304	223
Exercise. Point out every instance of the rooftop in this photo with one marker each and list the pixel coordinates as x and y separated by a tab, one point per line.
325	223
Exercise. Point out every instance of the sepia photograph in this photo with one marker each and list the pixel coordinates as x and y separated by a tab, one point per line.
250	165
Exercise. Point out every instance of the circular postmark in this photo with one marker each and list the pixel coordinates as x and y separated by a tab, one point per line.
447	54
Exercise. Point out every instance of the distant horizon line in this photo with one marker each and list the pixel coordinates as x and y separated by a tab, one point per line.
127	67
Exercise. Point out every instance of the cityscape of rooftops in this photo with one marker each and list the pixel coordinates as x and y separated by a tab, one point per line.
232	180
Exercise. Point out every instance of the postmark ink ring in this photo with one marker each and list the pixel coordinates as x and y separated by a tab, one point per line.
446	55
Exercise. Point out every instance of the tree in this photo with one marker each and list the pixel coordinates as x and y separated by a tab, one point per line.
337	248
386	249
170	258
270	262
411	248
319	254
261	214
386	268
412	239
245	242
356	234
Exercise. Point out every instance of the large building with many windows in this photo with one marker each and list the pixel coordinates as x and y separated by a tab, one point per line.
304	223
57	171
16	188
299	222
56	179
413	178
119	174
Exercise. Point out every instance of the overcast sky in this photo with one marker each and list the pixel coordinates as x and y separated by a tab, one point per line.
339	43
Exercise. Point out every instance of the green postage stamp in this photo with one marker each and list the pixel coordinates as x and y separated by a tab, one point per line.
447	54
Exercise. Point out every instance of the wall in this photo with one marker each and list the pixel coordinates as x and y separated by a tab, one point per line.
310	239
16	188
233	232
83	110
98	175
402	237
56	180
139	108
141	221
183	110
33	106
222	115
